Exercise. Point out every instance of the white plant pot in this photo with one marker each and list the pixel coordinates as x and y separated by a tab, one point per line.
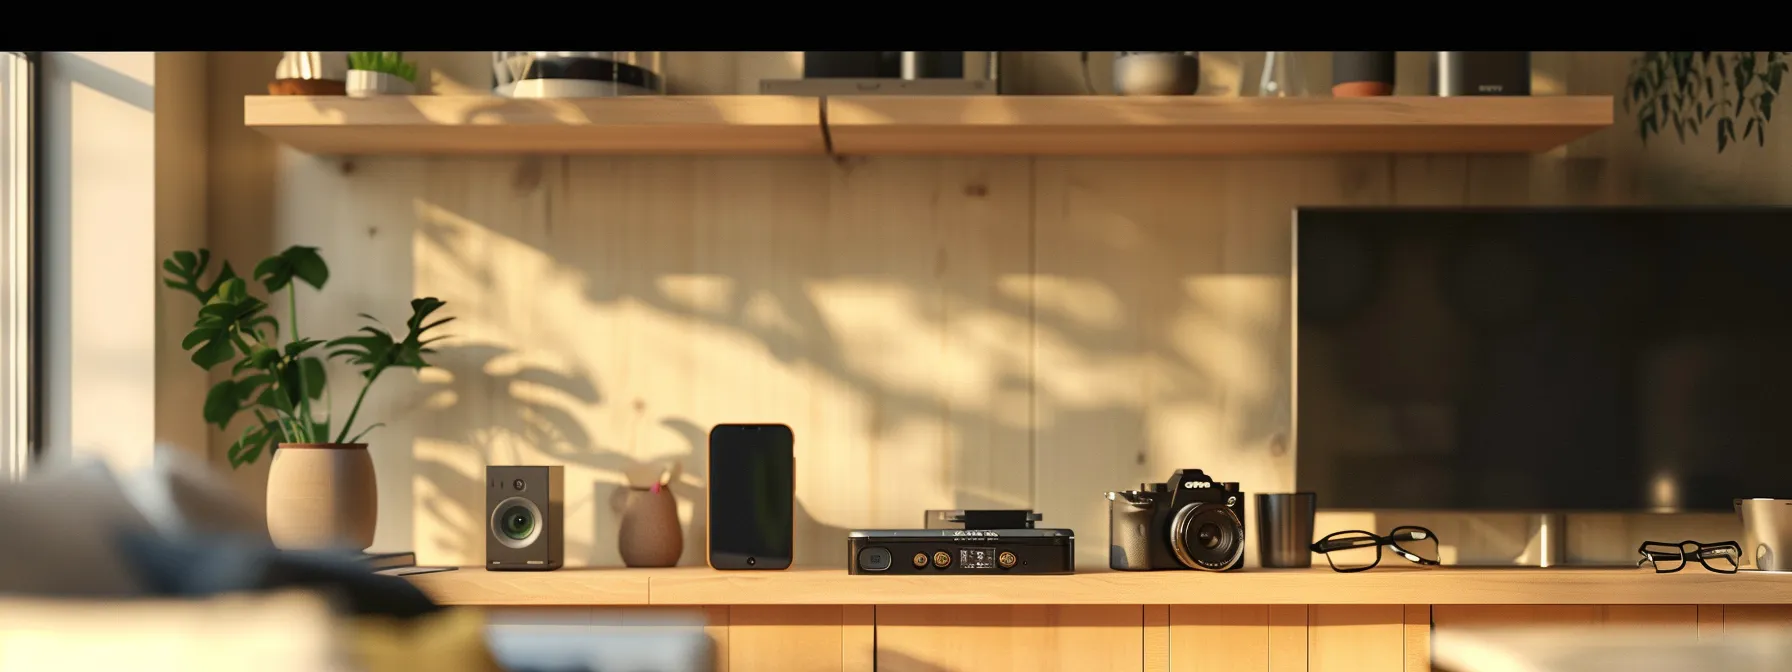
364	83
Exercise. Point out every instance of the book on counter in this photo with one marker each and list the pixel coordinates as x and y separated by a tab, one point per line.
398	563
389	560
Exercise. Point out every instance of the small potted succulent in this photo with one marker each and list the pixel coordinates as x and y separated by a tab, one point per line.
380	73
321	487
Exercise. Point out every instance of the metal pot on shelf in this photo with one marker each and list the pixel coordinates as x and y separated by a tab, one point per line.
577	74
1766	533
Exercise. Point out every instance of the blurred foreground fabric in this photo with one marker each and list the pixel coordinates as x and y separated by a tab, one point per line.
166	569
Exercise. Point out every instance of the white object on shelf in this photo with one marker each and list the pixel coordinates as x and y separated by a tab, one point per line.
365	83
312	65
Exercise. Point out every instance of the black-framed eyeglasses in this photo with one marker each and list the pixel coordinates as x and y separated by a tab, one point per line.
1722	557
1358	550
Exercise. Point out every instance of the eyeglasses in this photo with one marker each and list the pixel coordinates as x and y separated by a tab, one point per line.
1721	557
1358	550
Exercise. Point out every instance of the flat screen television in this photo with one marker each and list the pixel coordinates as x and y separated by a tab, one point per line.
1562	359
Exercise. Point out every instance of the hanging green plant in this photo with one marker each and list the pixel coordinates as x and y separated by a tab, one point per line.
1682	90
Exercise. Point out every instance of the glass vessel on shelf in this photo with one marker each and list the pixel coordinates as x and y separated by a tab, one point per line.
1279	77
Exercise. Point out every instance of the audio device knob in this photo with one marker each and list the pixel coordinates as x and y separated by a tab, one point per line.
941	559
920	560
1006	560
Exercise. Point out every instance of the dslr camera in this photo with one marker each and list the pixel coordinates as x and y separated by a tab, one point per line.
1191	522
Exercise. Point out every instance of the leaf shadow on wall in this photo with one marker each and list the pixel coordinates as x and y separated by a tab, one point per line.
898	302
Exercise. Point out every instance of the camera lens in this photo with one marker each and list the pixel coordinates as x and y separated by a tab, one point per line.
1207	536
519	521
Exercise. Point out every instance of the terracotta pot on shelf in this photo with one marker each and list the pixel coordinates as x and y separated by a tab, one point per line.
1360	74
322	495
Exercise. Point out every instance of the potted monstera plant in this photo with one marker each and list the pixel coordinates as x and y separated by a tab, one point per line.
321	489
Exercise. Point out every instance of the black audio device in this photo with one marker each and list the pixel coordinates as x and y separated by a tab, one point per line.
964	542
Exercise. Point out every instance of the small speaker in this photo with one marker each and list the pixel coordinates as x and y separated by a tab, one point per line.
1481	73
1362	73
525	518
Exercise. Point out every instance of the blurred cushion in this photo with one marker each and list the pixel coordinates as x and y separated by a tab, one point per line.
192	565
452	640
266	633
61	527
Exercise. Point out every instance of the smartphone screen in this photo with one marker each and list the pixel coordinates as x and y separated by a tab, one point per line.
752	483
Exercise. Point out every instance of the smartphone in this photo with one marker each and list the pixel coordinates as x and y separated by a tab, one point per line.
752	496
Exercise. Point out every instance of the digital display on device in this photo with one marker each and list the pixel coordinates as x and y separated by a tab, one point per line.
752	472
977	558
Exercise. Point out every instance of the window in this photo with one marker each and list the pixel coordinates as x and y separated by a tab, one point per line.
18	425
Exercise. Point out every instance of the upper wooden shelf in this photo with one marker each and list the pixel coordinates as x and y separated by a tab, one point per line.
1387	585
1196	125
495	125
927	125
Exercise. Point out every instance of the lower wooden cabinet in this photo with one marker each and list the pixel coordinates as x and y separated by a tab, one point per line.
1099	638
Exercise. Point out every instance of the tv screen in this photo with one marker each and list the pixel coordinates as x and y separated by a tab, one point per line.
1590	359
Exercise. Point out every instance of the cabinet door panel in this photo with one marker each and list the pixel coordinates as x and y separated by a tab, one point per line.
1019	638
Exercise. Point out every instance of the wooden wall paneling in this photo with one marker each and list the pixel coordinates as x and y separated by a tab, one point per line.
1416	622
1356	638
1030	638
1157	638
880	330
1162	322
786	639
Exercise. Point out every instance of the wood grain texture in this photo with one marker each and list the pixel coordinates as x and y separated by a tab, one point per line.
1198	125
337	125
785	639
1525	590
1417	625
1009	638
1356	638
1220	637
474	586
1157	638
858	638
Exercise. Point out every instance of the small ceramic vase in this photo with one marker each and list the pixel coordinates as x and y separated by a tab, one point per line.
650	535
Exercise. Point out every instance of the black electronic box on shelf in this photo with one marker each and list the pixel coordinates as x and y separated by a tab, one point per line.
964	542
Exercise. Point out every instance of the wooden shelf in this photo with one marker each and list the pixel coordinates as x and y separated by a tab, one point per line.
338	125
926	125
573	586
1184	125
1388	585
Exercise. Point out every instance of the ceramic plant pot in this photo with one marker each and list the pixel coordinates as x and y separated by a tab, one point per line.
322	495
365	83
650	535
1359	74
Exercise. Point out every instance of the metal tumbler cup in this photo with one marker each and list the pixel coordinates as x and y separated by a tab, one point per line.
1285	529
